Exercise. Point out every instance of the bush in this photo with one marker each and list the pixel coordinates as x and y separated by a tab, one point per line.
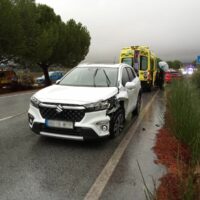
184	107
196	79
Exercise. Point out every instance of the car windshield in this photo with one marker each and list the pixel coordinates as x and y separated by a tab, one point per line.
91	77
143	63
50	74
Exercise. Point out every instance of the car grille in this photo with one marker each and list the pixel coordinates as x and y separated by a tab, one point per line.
66	114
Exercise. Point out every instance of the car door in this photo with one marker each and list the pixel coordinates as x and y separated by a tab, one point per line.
130	92
134	92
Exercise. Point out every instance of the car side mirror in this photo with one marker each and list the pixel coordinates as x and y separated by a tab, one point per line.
130	85
58	81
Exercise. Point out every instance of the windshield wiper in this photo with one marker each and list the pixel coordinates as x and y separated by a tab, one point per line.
107	79
95	73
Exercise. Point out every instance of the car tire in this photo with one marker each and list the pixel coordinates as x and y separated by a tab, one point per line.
117	123
149	87
136	112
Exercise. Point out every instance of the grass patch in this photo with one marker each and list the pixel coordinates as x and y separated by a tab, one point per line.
196	79
183	122
184	108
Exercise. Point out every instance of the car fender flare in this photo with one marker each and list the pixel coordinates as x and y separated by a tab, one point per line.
122	96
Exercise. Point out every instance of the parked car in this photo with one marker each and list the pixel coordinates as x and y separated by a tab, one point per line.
8	78
90	101
172	75
53	75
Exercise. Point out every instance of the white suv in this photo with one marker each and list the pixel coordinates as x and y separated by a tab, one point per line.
90	101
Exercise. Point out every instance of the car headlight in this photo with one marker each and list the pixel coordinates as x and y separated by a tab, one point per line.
102	105
35	102
108	105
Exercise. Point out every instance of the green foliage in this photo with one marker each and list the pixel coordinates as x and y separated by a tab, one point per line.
34	34
47	37
194	62
77	42
10	30
170	63
184	105
176	64
189	191
28	15
196	79
159	59
57	42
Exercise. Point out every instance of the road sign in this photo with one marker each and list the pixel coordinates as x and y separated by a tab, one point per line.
198	59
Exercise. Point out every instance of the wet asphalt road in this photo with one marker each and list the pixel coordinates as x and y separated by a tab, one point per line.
32	167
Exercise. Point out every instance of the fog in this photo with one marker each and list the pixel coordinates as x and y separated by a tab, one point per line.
169	27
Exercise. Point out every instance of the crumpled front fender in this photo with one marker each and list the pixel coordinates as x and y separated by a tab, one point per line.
122	96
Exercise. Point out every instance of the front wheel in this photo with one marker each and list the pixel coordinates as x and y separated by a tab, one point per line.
117	123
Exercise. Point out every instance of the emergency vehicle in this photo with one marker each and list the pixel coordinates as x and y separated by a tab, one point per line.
144	61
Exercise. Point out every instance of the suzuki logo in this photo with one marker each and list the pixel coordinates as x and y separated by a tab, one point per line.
59	109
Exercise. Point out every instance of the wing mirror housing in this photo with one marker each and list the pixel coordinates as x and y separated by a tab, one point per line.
58	81
130	85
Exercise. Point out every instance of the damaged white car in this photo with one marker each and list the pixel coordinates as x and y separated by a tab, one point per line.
90	101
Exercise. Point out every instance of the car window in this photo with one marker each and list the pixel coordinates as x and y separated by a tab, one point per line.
130	74
143	63
125	77
128	61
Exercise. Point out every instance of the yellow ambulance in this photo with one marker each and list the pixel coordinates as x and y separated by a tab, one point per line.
144	61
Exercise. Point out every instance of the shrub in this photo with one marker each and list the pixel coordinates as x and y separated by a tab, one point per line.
184	107
196	79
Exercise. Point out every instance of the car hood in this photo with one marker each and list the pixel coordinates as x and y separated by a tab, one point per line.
75	95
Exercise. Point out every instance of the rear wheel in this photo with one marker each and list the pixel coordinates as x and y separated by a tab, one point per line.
117	123
149	87
146	87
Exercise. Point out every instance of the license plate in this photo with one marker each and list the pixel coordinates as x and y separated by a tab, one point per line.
59	124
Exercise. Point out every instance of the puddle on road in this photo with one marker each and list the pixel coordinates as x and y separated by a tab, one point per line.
126	181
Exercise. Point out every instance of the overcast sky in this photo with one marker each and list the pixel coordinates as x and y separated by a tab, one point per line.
170	27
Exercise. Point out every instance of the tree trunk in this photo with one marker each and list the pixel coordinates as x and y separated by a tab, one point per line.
46	74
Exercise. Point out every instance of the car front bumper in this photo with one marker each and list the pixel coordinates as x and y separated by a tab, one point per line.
92	126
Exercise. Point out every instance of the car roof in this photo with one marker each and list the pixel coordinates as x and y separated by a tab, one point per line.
102	65
55	71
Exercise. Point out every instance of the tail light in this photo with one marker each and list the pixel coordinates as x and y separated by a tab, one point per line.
149	75
167	75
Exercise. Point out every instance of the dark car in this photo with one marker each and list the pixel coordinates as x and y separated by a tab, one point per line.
53	75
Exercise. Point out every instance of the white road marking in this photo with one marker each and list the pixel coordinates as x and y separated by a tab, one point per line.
6	118
98	186
15	95
12	116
